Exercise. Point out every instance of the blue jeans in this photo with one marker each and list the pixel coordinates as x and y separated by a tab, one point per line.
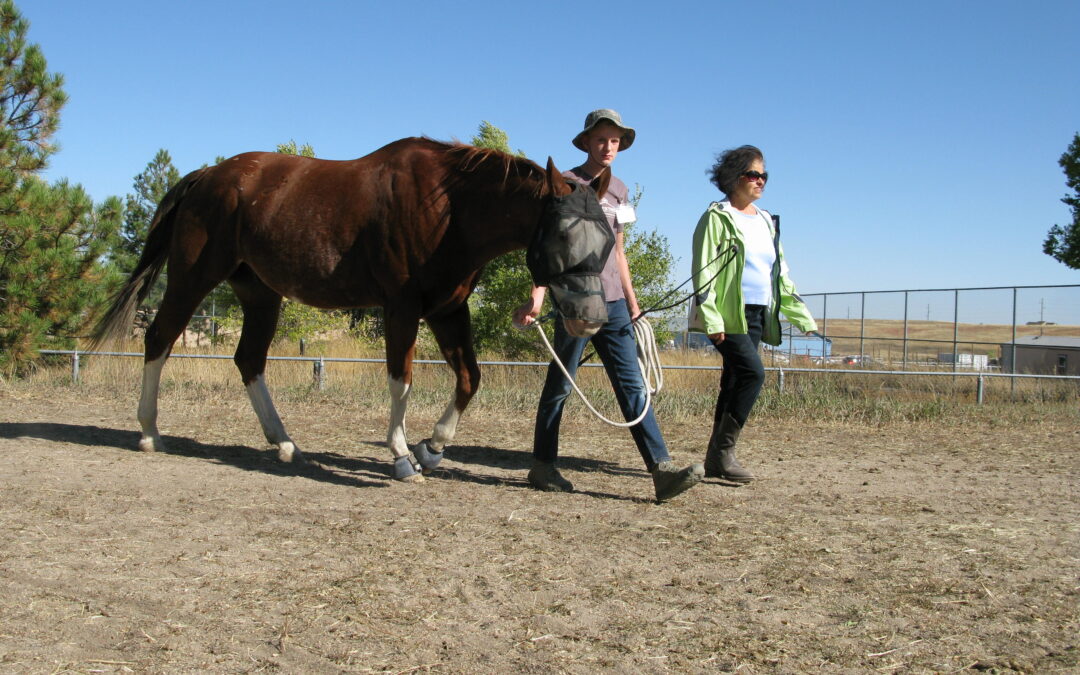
618	352
743	374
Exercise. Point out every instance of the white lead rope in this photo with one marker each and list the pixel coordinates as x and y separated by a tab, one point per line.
648	357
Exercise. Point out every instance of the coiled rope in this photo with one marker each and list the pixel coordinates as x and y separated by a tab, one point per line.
648	358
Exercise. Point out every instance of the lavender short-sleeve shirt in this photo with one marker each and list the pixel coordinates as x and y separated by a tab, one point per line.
616	195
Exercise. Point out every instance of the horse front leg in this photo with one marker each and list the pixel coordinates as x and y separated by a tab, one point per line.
453	332
401	329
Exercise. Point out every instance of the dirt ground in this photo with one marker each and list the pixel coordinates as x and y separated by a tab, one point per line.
859	550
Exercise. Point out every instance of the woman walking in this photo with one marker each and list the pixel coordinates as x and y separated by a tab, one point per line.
739	305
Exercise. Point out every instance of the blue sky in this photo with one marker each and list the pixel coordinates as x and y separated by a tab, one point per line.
910	145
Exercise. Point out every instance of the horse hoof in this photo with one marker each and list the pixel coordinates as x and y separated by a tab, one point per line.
428	460
407	470
149	444
289	453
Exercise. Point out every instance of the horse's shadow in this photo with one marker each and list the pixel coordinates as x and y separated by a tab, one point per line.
354	471
328	467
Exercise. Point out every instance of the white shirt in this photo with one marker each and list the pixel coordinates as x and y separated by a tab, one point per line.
760	256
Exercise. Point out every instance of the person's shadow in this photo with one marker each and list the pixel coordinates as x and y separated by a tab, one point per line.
476	457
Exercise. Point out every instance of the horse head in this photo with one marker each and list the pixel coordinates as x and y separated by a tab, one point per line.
568	251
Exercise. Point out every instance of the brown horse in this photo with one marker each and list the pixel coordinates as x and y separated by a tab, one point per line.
408	228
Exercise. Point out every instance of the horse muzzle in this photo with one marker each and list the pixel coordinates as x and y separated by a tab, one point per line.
582	328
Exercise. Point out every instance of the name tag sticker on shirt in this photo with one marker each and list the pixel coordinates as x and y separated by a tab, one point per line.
624	213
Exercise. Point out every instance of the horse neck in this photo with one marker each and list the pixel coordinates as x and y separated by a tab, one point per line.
505	212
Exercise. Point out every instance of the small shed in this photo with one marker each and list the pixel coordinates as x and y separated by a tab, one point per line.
1042	354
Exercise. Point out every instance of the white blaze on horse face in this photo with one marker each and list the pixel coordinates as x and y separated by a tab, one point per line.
445	428
399	400
148	410
271	424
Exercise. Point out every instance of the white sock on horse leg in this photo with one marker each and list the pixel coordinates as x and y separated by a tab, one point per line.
396	438
271	423
445	428
148	409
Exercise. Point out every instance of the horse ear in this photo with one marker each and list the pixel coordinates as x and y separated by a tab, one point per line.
556	183
600	183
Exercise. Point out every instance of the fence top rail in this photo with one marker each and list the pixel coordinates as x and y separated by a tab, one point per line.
342	359
941	290
948	341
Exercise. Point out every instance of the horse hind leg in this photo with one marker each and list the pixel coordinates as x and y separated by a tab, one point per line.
261	307
453	332
179	303
150	441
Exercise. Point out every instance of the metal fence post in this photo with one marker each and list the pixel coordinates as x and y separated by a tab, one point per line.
75	367
1012	355
780	379
980	388
319	381
862	329
903	363
955	327
824	329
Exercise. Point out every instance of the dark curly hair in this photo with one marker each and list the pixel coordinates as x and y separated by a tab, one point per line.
730	164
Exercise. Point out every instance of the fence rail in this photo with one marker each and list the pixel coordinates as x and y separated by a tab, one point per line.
319	368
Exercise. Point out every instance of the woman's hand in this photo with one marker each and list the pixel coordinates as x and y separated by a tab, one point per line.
716	338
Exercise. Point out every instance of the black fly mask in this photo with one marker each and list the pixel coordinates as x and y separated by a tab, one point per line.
567	254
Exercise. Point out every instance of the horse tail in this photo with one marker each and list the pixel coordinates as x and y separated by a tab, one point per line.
155	254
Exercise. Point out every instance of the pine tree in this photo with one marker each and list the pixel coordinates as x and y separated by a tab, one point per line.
150	186
30	103
52	238
1063	243
51	273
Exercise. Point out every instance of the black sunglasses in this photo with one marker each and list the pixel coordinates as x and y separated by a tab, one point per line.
754	175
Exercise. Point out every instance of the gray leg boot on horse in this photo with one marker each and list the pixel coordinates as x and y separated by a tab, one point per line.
720	459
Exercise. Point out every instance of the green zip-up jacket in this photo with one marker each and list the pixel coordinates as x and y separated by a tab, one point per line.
718	306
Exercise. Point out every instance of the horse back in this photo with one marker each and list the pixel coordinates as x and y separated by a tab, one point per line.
328	233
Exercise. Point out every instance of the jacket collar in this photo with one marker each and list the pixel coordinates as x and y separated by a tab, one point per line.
724	206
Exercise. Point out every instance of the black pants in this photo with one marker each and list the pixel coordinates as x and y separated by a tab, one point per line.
743	374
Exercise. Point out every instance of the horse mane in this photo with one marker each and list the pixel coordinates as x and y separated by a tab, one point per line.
499	166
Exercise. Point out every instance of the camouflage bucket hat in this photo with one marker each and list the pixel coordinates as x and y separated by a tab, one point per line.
605	115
